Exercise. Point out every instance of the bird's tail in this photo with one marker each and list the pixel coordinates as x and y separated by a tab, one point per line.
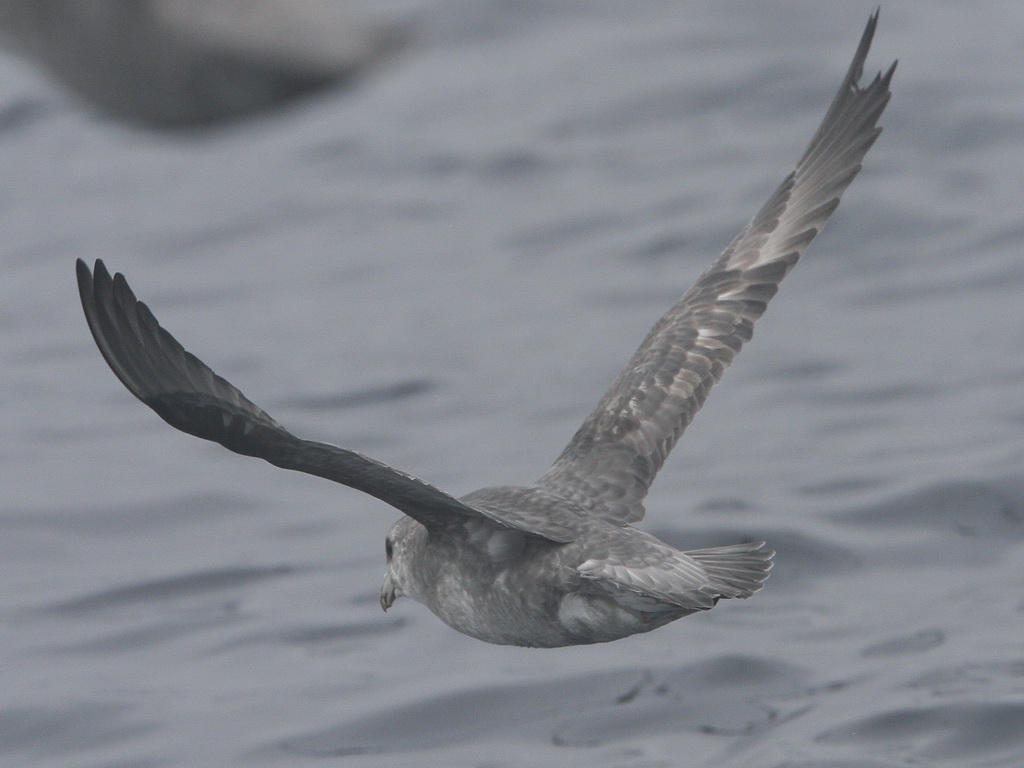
737	570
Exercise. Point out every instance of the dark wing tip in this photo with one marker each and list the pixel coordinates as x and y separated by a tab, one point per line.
887	77
96	290
856	70
154	367
857	66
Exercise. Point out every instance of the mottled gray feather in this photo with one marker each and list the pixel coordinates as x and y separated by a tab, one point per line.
611	461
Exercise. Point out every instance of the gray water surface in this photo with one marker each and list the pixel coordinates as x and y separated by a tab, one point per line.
444	266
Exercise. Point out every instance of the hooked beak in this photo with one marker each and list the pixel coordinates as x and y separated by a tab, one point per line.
388	593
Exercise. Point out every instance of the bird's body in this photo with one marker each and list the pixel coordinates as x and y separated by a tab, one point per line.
557	562
511	588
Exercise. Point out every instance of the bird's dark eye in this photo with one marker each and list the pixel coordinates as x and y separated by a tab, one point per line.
389	549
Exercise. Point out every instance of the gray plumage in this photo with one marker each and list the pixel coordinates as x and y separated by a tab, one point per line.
556	563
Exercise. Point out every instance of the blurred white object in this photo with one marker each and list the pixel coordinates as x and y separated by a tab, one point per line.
187	62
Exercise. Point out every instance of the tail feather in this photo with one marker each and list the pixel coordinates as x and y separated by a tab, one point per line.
737	570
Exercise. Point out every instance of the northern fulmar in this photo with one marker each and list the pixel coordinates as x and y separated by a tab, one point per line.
558	562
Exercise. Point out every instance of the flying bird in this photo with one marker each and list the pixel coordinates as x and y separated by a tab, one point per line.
558	562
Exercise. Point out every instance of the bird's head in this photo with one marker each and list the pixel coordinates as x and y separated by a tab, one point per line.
396	551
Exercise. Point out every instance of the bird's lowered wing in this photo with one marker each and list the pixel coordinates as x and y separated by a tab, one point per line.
613	458
189	396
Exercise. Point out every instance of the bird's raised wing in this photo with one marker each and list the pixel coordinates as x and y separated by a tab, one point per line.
189	396
613	458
